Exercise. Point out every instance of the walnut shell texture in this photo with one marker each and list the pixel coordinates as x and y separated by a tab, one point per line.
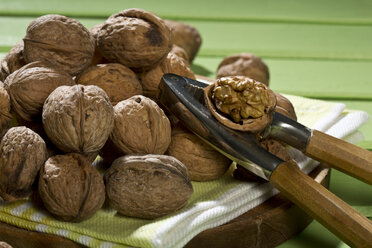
118	81
254	125
202	161
185	36
284	106
22	153
5	116
70	187
244	64
59	40
135	38
148	186
97	56
171	64
141	127
12	61
30	86
78	118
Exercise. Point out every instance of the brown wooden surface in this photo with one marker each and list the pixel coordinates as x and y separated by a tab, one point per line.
341	155
333	213
267	225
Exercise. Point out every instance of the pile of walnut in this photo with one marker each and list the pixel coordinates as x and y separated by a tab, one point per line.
70	94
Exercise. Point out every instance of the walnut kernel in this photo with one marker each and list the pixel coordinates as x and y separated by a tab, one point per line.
241	103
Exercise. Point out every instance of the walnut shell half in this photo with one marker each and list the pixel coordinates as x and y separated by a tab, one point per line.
147	186
22	153
70	187
241	103
78	118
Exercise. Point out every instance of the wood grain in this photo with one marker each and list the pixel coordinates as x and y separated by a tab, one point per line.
333	213
341	155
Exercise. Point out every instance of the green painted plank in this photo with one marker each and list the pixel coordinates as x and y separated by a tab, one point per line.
315	11
271	40
309	78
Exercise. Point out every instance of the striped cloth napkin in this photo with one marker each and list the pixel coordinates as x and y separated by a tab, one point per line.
212	203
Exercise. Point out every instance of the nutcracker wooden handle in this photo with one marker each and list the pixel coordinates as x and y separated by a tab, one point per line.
336	215
341	155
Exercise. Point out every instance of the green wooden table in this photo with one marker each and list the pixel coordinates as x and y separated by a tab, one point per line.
318	49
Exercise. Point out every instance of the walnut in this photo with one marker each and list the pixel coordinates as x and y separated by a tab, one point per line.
180	52
29	86
22	153
244	64
141	127
241	103
12	61
5	116
171	64
202	161
5	245
59	40
97	56
135	38
118	81
285	107
70	187
185	36
78	118
148	186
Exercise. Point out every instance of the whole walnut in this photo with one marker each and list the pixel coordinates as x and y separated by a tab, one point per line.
118	81
171	64
70	187
284	106
241	103
148	186
78	118
202	161
97	56
5	116
30	86
59	40
22	153
141	127
5	245
12	61
135	38
180	52
244	64
185	36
